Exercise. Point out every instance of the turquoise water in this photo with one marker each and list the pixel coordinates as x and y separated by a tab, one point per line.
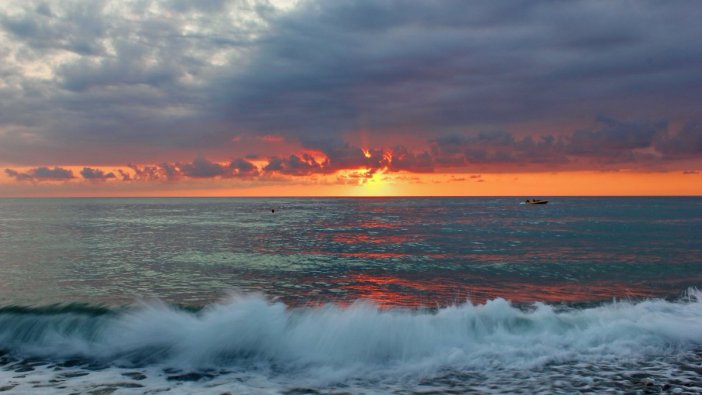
398	251
389	295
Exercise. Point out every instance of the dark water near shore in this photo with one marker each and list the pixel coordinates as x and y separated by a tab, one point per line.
366	295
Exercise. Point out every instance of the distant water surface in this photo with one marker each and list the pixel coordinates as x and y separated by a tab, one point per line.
460	294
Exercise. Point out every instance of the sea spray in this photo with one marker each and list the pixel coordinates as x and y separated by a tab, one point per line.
247	330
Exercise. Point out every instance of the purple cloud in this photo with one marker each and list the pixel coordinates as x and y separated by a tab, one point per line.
294	165
41	174
96	174
200	167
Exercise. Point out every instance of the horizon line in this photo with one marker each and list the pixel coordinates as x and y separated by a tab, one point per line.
337	196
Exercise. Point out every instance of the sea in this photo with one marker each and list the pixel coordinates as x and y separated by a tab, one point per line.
350	295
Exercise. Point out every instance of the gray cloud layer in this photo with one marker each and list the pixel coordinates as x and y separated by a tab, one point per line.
136	81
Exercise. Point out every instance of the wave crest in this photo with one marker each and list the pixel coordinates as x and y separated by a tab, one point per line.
246	329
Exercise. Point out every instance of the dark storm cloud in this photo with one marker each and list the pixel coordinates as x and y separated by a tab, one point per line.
612	141
404	160
243	168
162	172
497	147
90	81
346	156
294	165
686	143
615	137
330	67
96	174
41	174
200	167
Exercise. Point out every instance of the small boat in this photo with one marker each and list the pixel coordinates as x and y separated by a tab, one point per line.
536	201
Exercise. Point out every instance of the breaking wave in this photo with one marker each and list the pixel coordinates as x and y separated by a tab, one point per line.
250	330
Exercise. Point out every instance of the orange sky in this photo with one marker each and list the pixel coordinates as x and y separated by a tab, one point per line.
575	183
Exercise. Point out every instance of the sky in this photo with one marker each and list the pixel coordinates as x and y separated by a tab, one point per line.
350	98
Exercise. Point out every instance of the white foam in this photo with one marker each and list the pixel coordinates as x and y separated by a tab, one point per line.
332	343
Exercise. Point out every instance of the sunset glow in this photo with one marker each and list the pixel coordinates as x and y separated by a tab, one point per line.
281	113
362	182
